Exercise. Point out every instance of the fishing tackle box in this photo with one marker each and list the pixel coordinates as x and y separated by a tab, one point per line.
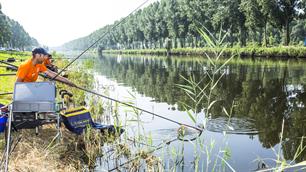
76	120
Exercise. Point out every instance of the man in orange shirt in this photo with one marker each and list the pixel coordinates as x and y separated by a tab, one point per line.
28	71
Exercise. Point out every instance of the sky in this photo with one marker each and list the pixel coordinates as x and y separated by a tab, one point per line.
54	22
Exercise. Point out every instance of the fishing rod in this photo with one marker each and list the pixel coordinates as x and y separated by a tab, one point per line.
7	74
9	64
3	66
118	101
112	28
126	104
68	58
3	94
16	68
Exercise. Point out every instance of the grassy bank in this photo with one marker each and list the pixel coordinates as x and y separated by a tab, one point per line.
267	52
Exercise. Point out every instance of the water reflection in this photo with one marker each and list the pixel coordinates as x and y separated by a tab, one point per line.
263	94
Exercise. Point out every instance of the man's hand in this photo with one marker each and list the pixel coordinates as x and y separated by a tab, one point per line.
52	74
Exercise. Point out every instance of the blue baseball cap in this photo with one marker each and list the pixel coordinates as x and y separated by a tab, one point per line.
40	50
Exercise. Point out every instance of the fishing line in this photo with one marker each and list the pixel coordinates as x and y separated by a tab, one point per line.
112	28
132	106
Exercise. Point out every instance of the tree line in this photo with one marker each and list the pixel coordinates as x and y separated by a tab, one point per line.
259	22
13	35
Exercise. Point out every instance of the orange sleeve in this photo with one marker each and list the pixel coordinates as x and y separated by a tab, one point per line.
42	68
22	71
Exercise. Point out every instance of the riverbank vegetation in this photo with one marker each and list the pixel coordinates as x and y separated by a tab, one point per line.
250	52
174	25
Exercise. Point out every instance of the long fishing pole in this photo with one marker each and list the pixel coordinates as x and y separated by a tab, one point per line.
16	68
9	64
7	74
118	101
112	28
126	104
3	94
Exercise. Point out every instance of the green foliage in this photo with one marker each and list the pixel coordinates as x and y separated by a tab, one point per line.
252	50
261	21
13	35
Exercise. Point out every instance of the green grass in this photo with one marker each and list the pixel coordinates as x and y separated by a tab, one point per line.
18	55
7	82
7	85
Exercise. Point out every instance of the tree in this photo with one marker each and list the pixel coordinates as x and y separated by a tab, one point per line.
161	24
5	29
299	31
284	12
260	20
197	12
229	16
172	14
254	16
149	27
265	7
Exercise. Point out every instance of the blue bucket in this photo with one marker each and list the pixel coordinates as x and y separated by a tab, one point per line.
3	120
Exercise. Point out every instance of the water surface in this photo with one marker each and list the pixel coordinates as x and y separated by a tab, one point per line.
263	94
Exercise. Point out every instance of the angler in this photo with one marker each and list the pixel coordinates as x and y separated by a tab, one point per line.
28	71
